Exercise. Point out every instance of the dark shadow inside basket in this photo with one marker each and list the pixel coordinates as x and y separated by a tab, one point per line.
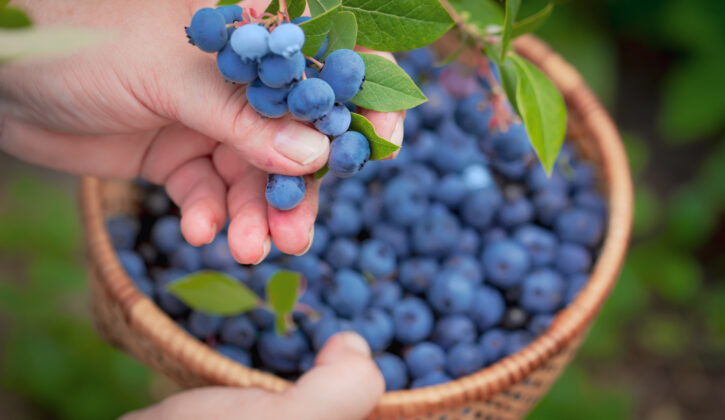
506	389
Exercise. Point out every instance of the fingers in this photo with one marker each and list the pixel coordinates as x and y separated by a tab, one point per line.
201	194
344	385
293	230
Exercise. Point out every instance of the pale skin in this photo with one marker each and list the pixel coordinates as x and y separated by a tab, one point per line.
148	104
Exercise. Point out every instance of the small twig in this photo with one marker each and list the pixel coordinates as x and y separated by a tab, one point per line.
283	8
319	64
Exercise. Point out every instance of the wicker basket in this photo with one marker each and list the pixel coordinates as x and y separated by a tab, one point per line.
505	390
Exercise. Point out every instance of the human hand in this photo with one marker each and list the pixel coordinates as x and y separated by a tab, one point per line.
345	384
147	104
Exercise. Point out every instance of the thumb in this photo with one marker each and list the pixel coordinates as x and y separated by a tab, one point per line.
345	384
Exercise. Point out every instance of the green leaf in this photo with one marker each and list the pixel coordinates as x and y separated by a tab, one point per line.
295	8
214	293
321	172
379	147
280	326
509	81
231	2
13	18
343	33
4	3
532	23
480	13
399	25
281	291
387	87
273	7
542	109
316	30
43	42
512	9
318	7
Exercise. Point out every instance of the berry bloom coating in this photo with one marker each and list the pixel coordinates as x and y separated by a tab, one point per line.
424	358
311	99
516	341
413	320
269	102
348	154
573	259
277	71
285	192
232	13
506	262
417	274
250	42
348	294
488	307
541	243
542	291
233	68
336	122
208	30
377	258
286	40
393	370
344	70
451	293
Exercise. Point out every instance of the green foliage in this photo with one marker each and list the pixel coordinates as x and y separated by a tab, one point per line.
387	87
480	13
317	28
379	147
214	293
343	33
690	219
295	8
512	9
398	25
318	7
231	2
12	18
533	22
647	209
664	336
281	292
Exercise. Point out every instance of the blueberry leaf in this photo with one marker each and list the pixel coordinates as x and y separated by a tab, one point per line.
542	109
480	13
343	33
512	9
321	172
316	30
214	293
12	18
531	23
281	292
387	87
399	25
295	8
230	2
509	81
318	7
379	147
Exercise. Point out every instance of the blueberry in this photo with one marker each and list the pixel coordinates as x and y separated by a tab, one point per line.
450	190
438	106
312	73
584	175
208	30
168	302
203	325
351	190
474	114
326	328
233	68
538	324
464	359
506	262
538	180
348	294
323	48
343	219
437	233
285	192
576	284
514	170
123	231
250	42
425	176
469	242
385	294
492	235
344	70
492	344
458	149
309	266
424	358
166	234
277	71
452	330
216	255
580	226
336	122
412	124
232	13
417	274
263	318
413	320
488	307
516	341
549	203
513	144
282	353
377	258
592	201
286	39
393	370
405	201
480	207
187	258
132	263
348	154
321	239
540	242
144	285
342	253
433	378
516	212
450	293
307	362
260	276
376	327
467	265
573	259
421	59
235	353
542	291
425	145
239	331
268	102
372	208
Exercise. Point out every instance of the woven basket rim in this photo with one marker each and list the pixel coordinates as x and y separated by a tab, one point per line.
143	314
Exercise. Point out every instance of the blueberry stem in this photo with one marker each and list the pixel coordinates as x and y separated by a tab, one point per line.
316	62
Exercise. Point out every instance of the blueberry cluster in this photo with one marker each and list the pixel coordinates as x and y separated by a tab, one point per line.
454	255
268	58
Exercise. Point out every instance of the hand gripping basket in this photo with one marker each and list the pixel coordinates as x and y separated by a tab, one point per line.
505	390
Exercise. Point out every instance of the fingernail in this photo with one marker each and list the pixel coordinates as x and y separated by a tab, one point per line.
354	342
309	242
300	143
267	248
398	132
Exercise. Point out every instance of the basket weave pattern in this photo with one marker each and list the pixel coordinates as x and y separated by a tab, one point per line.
505	390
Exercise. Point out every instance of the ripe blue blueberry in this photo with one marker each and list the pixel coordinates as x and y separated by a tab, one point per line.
450	190
538	180
467	265
573	259
580	226
412	123
417	274
344	70
542	291
513	144
336	122
323	48
277	71
413	320
166	301
433	378
516	341
393	370
474	114
204	325
260	276
208	30
326	328
187	258
376	327
575	284
286	40
452	330
492	344
343	219
424	358
232	13
590	200
239	331
538	324
235	353
348	154
469	242
216	255
464	359
425	176
405	201
514	170
506	262
144	285
480	207
342	253
166	234
425	145
488	307
321	239
437	233
132	263
457	151
549	203
309	266
540	242
351	190
450	293
282	353
311	99
516	212
123	232
250	42
377	258
438	106
285	192
385	294
348	293
233	68
269	102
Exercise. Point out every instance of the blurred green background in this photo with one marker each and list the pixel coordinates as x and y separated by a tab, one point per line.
657	351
